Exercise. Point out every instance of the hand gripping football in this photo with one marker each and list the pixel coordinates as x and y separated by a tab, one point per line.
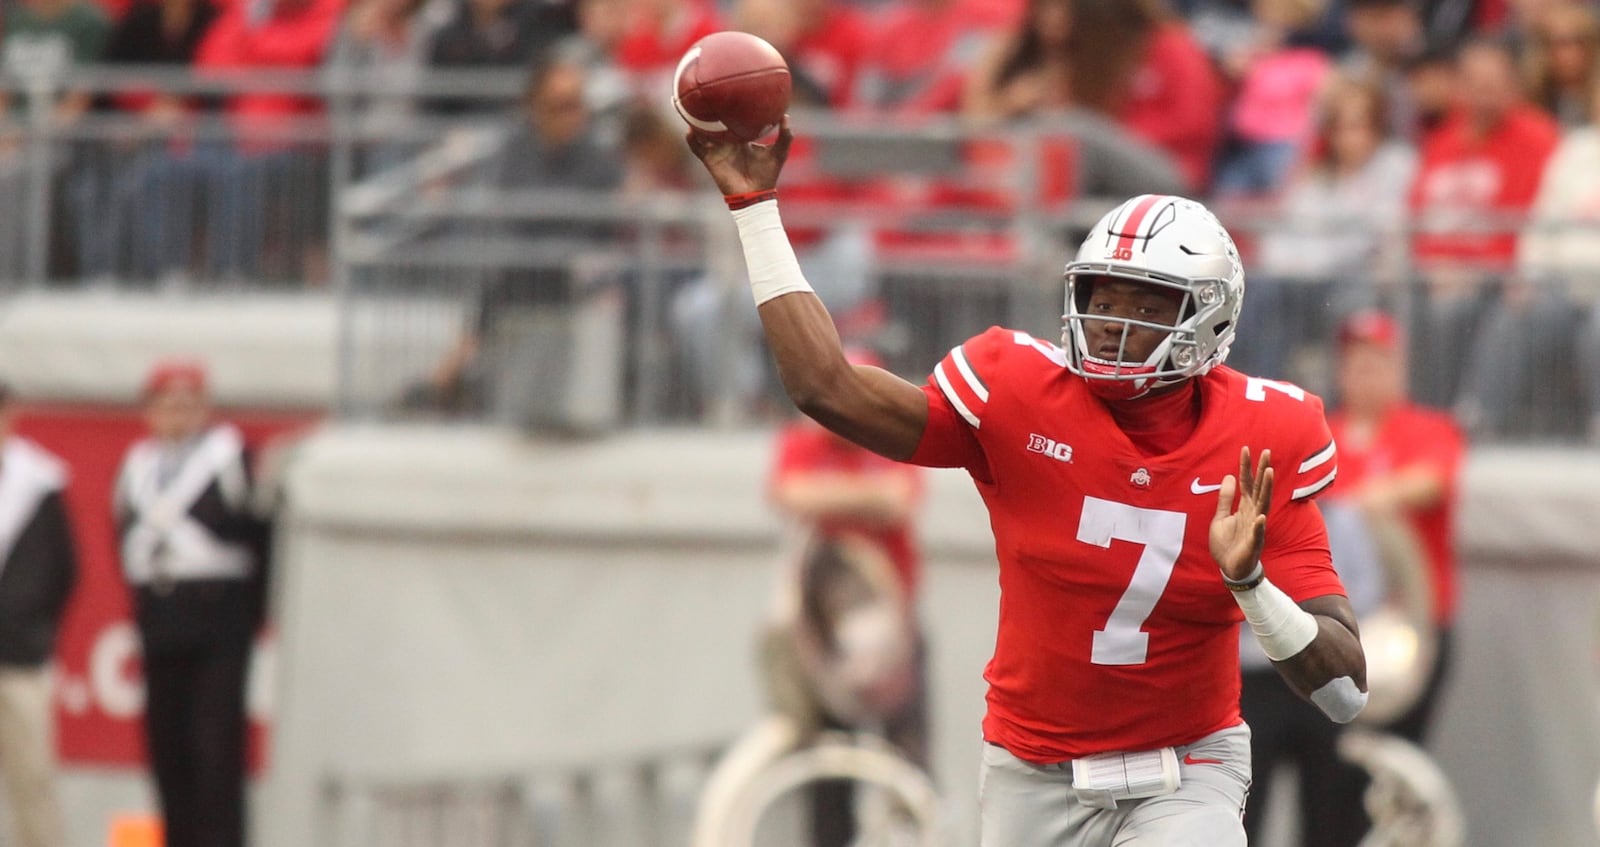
732	85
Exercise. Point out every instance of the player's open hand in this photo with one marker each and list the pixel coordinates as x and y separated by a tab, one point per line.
740	167
1237	535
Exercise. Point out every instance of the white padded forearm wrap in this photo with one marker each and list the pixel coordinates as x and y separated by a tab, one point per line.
1283	628
774	270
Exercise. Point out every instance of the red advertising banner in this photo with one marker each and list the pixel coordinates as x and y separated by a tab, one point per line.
99	687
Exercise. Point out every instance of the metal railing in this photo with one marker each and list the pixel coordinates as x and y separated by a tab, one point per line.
648	801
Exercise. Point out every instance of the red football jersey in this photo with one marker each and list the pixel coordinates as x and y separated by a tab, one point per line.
1116	632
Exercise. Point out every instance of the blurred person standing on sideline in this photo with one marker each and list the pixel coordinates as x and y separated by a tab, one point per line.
838	491
38	569
194	553
1399	461
1128	478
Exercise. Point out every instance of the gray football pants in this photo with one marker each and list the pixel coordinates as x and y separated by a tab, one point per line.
1029	805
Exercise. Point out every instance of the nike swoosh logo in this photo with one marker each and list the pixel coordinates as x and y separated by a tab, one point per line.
1197	488
1189	759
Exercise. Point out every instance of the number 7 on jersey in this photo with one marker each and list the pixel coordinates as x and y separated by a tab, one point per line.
1123	641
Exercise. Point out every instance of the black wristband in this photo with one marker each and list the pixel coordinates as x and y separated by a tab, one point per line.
1249	582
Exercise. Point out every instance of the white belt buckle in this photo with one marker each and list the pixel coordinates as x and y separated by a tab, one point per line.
1101	780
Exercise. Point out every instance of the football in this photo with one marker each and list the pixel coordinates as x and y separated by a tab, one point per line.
732	85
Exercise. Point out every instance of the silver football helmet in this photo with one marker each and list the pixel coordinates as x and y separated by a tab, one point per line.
1174	243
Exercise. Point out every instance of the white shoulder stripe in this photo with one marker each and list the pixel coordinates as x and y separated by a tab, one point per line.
1307	490
1322	456
967	374
951	395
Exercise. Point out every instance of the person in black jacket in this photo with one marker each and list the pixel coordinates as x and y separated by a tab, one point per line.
38	568
194	553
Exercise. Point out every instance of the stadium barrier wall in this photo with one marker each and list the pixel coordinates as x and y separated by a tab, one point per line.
467	602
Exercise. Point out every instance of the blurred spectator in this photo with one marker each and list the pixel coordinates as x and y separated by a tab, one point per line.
1051	68
1551	322
1031	67
659	32
655	157
834	44
253	176
38	569
921	52
48	37
382	43
1398	461
1386	36
195	555
1429	89
552	148
1335	237
126	199
481	34
825	42
1561	60
1273	112
601	26
843	495
1176	99
1477	177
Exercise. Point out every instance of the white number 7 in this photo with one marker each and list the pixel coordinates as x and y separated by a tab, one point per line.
1123	641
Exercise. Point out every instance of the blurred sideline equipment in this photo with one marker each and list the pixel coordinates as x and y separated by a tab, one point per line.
732	84
1399	636
1410	800
841	646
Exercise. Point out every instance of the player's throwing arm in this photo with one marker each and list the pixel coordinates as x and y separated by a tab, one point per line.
1314	644
867	405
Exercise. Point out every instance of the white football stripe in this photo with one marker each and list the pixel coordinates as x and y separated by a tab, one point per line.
1323	456
691	120
1308	490
677	77
967	374
951	395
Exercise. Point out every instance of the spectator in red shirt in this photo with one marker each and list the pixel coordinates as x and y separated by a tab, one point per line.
921	52
847	496
825	42
659	33
1176	98
1477	178
1398	461
289	35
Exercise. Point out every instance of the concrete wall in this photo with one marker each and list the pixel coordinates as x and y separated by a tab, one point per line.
465	601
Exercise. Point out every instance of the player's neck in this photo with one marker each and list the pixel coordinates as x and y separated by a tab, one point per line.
1159	423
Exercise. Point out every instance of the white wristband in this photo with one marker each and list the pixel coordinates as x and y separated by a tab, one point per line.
774	270
1283	628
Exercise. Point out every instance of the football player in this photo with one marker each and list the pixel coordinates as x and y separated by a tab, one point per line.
1129	478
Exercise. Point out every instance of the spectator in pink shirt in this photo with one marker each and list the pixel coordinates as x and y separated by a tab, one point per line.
1272	116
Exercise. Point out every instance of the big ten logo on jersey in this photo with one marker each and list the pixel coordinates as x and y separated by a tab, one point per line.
1049	447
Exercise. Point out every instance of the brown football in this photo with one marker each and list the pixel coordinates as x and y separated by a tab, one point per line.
732	84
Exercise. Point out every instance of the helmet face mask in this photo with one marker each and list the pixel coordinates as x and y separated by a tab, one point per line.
1165	242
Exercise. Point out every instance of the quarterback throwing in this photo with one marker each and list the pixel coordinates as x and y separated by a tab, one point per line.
1130	478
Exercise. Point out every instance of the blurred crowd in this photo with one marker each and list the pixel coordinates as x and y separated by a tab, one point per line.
1435	157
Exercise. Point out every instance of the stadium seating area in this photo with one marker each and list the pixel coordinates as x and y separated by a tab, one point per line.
474	171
